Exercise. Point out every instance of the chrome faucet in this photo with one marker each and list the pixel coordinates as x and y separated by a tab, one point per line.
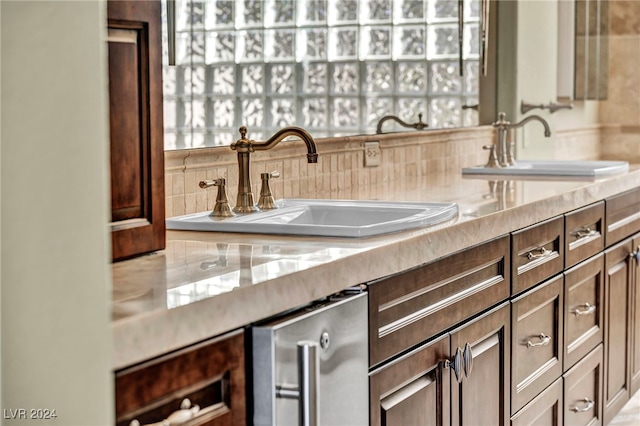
245	147
418	126
503	151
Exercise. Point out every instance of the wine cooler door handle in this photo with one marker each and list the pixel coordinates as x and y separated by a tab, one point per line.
308	375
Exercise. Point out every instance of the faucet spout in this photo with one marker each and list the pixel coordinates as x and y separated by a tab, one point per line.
419	125
547	130
312	152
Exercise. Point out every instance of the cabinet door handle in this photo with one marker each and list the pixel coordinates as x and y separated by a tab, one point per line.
588	405
635	255
184	414
544	341
467	355
455	363
541	252
588	309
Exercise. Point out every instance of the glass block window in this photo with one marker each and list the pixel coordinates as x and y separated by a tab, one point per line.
334	67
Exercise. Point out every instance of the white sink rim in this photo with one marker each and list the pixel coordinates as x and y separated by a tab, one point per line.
567	168
405	216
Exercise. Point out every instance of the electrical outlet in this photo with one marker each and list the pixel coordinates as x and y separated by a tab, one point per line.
372	154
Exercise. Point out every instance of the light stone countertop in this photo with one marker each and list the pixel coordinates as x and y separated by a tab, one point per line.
207	283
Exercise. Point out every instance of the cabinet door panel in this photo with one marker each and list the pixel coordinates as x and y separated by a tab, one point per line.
416	403
584	308
136	129
616	348
582	391
413	389
537	341
544	410
482	398
634	332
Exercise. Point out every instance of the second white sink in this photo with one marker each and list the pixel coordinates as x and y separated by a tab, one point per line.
553	168
336	218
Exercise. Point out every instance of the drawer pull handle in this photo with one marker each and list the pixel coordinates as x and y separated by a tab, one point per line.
587	406
588	309
456	364
584	233
184	414
467	355
542	252
544	341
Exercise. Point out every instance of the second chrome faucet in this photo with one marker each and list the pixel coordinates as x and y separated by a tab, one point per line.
244	147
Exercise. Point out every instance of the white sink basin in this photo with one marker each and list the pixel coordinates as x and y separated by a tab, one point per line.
335	218
554	168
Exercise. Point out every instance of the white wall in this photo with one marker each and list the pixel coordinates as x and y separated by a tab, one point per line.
528	63
55	328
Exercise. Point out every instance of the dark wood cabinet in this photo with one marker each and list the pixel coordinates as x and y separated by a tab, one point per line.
545	409
622	216
411	307
537	253
413	389
459	378
583	391
634	325
536	348
583	233
210	375
583	309
617	302
136	127
482	396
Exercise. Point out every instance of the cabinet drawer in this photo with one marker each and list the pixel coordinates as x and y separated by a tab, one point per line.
536	346
545	409
584	233
211	375
537	253
583	311
409	308
622	216
583	391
